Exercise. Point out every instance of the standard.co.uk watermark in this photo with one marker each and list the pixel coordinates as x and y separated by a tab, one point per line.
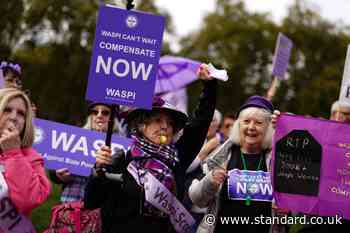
210	219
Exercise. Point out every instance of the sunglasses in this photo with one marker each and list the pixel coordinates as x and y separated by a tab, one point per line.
95	112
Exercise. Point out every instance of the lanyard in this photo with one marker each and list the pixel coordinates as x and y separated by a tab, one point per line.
245	165
248	198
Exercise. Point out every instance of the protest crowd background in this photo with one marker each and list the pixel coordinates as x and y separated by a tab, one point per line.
52	42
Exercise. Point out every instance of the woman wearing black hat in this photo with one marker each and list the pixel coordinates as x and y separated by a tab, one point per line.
157	162
73	186
237	183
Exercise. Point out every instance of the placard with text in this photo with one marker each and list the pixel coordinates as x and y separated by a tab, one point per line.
125	57
311	166
66	146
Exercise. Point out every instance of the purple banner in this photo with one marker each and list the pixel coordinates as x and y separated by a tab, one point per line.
65	146
311	166
282	54
255	184
125	57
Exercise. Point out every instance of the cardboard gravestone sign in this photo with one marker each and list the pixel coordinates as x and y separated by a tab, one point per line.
298	163
311	166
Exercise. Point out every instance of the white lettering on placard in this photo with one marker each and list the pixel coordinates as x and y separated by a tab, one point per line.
81	145
121	68
124	94
74	144
61	139
97	145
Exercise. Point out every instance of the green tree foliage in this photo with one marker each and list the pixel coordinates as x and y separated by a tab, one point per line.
317	64
243	43
11	23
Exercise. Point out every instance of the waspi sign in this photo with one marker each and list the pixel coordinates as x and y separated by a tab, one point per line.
125	57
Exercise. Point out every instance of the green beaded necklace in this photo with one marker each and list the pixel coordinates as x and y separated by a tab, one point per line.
248	198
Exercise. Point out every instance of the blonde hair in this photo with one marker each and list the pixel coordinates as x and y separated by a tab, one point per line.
8	94
257	112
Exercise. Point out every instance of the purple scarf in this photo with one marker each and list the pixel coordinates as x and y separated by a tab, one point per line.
162	159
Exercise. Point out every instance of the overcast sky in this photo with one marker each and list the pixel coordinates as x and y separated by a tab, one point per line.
187	14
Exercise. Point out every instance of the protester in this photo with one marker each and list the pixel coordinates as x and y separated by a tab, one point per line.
214	125
340	112
24	184
156	150
227	123
12	73
247	149
73	186
195	171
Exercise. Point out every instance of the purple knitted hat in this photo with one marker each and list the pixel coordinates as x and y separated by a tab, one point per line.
258	102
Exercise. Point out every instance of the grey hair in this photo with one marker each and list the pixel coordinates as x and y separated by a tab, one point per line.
257	112
335	106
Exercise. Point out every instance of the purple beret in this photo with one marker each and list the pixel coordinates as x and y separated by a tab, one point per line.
258	102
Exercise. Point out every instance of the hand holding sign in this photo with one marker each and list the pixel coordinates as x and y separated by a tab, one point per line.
219	176
104	157
64	175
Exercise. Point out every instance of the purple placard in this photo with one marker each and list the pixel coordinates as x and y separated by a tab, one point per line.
255	184
125	57
282	54
65	146
325	170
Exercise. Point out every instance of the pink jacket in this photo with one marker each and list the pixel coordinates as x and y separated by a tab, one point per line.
26	179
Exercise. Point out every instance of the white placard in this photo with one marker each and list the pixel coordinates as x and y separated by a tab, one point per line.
344	96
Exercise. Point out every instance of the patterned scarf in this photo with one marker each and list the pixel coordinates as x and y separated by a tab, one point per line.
162	159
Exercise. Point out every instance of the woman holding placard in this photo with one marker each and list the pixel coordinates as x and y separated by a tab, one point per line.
23	183
73	186
238	181
146	195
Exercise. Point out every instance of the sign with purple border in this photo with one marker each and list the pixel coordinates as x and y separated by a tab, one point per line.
125	57
65	146
311	166
282	54
243	183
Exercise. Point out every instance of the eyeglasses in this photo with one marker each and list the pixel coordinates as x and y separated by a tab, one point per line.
104	112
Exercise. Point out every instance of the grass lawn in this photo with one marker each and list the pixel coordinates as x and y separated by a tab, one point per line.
41	216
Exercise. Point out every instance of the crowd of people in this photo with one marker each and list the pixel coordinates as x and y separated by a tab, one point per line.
190	158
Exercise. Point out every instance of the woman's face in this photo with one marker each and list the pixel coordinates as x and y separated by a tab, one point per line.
11	79
160	124
14	115
99	118
252	132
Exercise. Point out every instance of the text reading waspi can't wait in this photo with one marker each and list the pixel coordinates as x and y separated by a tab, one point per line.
125	57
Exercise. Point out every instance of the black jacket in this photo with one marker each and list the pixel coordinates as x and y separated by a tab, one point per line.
121	204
